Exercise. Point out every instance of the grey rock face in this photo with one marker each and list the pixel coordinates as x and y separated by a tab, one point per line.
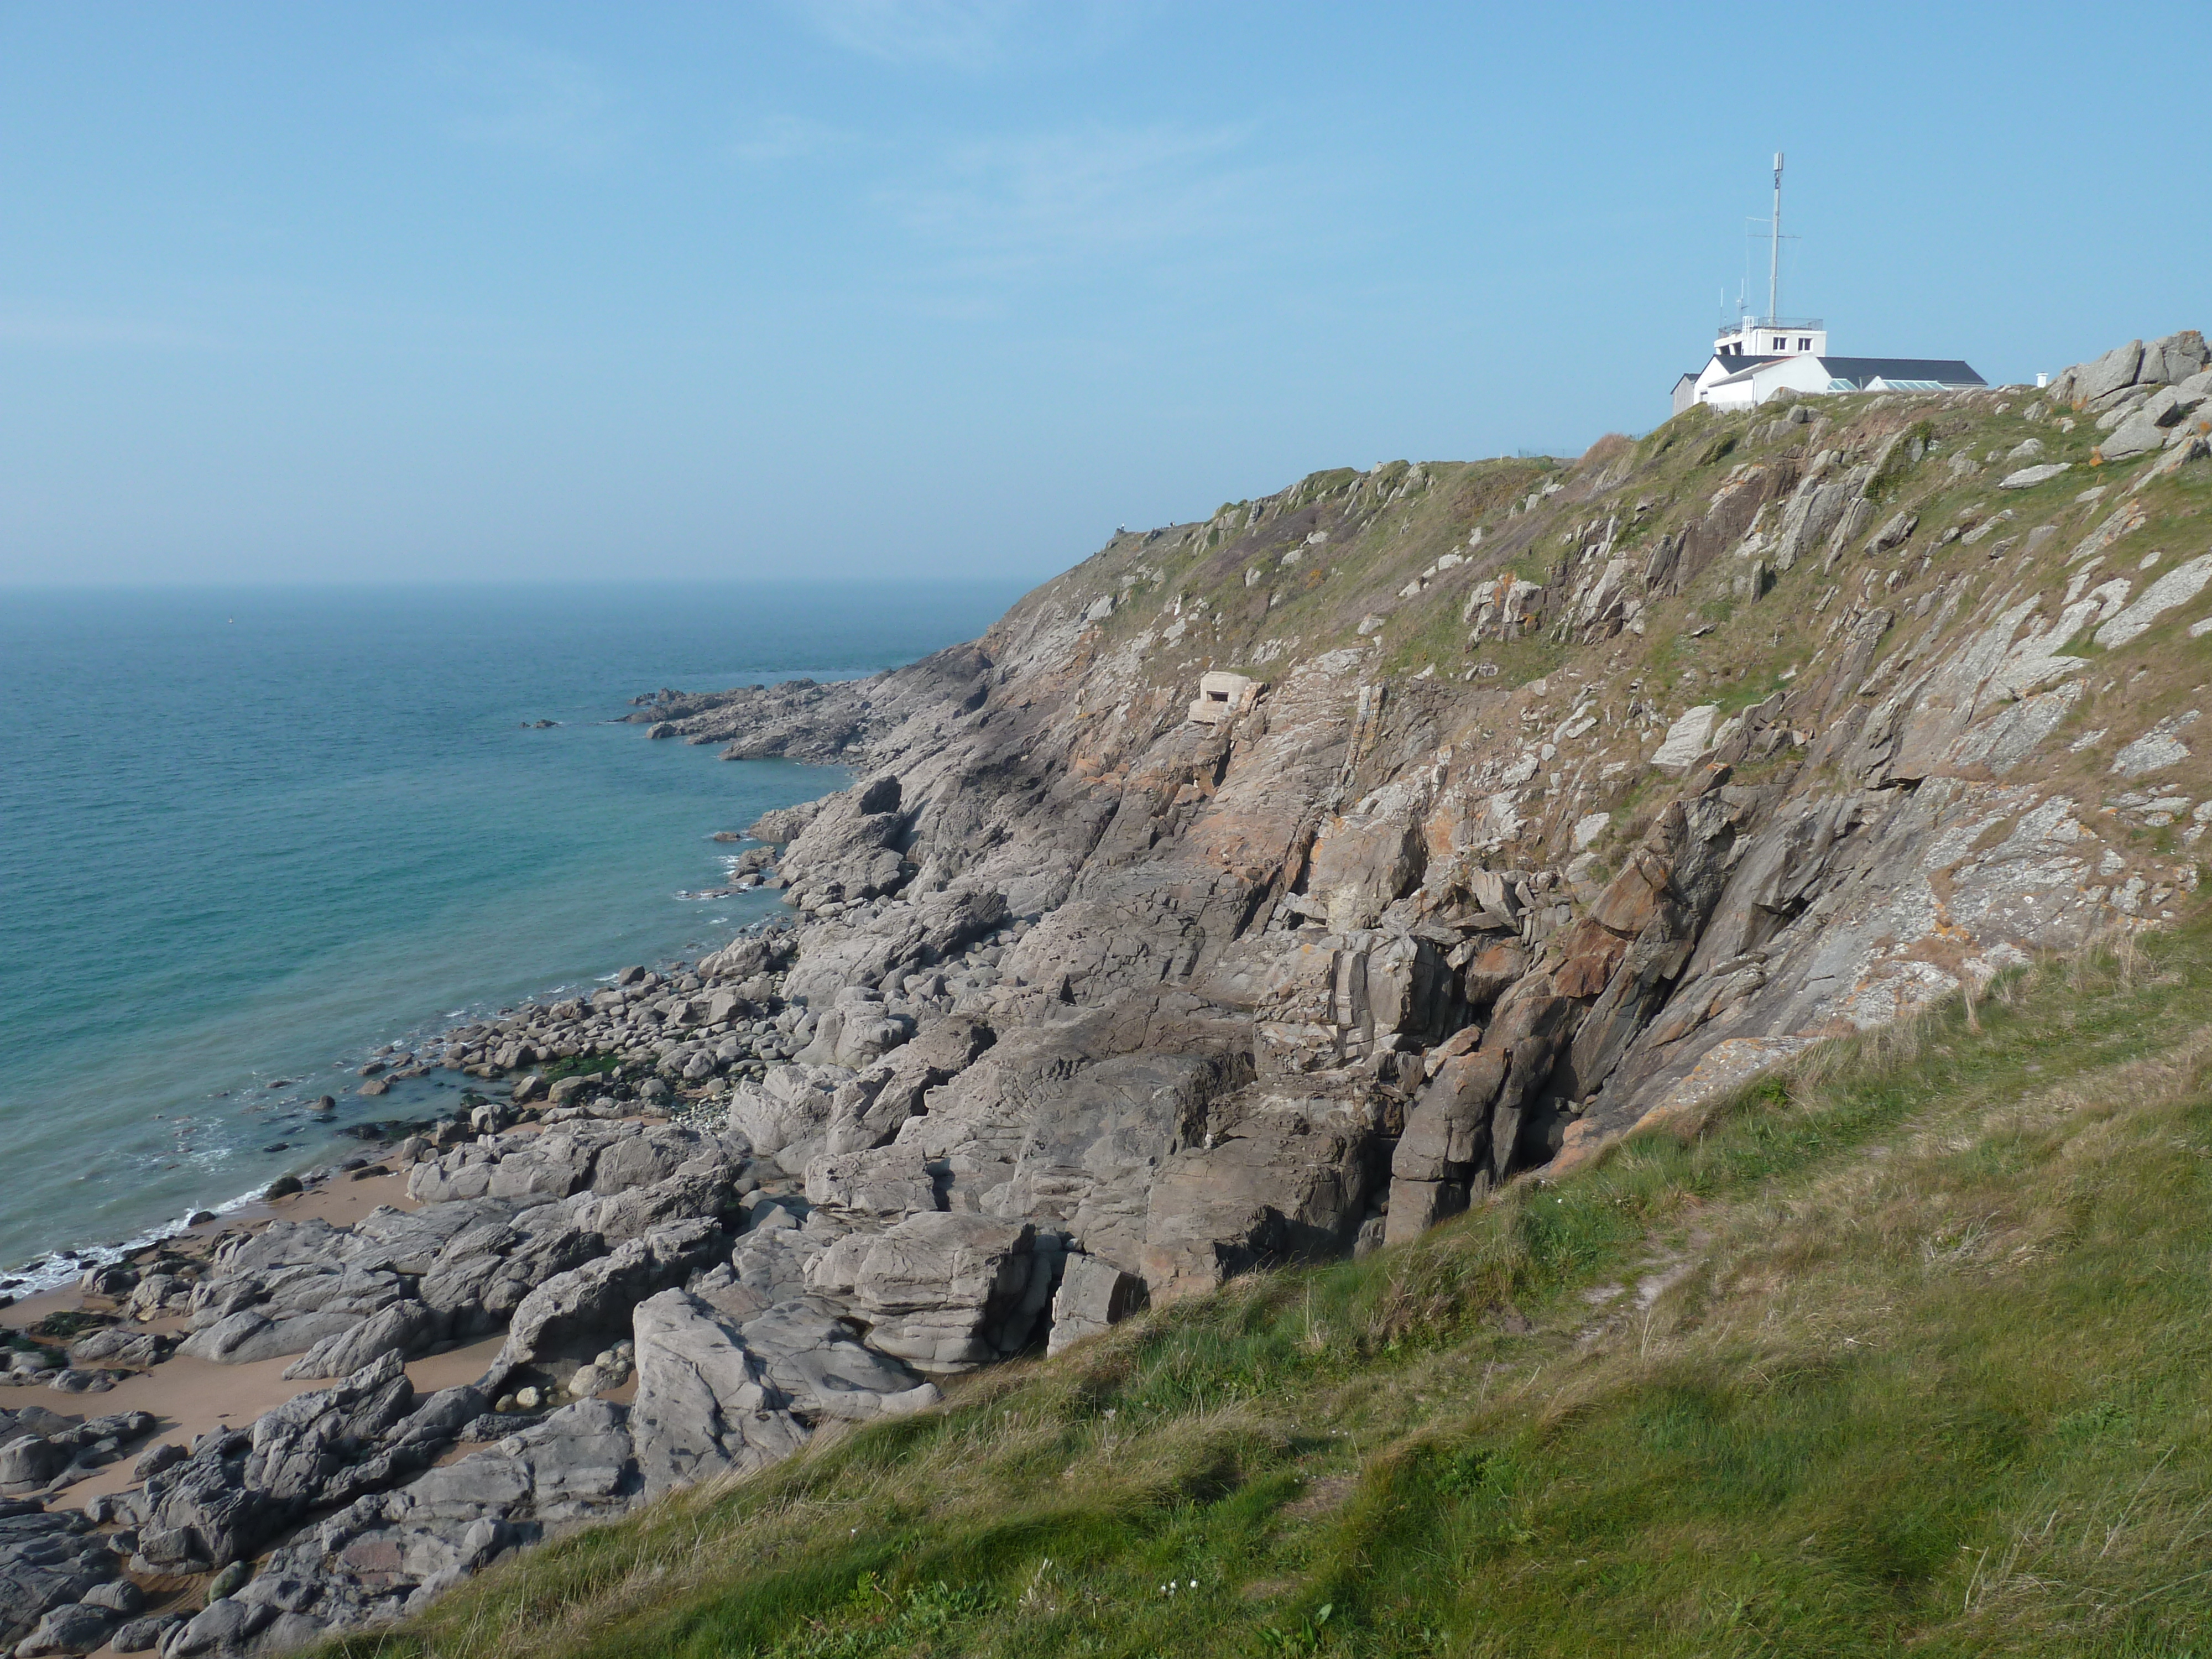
300	1448
116	1346
2173	359
704	1405
481	1275
1093	1294
47	1561
2108	373
238	1490
583	1306
77	1629
143	1635
30	1460
402	1329
286	1289
946	1292
869	1109
1285	1180
812	1356
785	1115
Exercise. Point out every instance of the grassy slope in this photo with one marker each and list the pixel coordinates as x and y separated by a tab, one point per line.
1905	1348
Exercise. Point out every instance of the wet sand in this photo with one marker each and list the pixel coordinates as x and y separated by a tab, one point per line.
192	1396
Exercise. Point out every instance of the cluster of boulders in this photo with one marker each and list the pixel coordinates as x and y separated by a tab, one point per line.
90	1362
2143	397
618	1257
735	1015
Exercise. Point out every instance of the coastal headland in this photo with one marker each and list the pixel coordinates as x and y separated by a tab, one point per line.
1540	801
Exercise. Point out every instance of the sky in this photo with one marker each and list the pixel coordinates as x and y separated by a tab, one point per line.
855	290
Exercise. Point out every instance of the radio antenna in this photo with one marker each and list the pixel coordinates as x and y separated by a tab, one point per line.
1774	248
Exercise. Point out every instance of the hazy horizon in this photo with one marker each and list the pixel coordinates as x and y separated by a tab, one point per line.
949	288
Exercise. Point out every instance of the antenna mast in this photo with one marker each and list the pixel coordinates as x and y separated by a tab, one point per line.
1774	248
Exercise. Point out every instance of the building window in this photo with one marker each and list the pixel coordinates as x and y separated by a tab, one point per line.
1804	345
1780	343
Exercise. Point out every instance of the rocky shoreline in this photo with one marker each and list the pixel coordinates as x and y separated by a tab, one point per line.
583	1203
1259	891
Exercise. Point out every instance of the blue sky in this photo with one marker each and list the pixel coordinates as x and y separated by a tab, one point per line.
853	287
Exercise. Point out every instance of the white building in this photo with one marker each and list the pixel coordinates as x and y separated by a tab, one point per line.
1756	357
1761	356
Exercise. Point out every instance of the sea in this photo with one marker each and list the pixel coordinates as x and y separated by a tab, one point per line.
247	837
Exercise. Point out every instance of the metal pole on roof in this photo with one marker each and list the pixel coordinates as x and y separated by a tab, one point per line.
1774	249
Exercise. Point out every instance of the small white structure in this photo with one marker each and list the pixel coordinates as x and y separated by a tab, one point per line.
1223	697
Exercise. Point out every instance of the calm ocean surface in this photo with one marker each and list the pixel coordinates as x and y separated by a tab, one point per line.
246	836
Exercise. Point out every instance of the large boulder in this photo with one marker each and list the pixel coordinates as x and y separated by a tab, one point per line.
581	1308
48	1560
1093	1294
29	1461
483	1273
856	1030
884	1183
947	1292
1285	1179
402	1330
2172	360
237	1489
285	1289
704	1405
386	1554
701	1188
785	1115
2108	373
811	1354
1359	865
299	1445
248	1335
1443	1159
78	1628
868	1110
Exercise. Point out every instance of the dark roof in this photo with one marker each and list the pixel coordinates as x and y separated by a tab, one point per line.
1859	370
1739	363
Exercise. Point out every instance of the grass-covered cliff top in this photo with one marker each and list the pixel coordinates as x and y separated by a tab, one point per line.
1904	1349
1296	574
1391	564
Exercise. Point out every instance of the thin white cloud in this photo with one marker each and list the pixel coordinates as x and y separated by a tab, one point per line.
523	98
76	331
1002	207
788	138
964	34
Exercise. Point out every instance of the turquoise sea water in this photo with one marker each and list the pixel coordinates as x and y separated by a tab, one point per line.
246	838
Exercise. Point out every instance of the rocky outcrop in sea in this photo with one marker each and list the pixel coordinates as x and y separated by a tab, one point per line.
1259	891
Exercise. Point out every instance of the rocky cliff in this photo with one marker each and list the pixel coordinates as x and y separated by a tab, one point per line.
1570	795
1526	802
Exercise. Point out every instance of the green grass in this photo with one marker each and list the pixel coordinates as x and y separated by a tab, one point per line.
1920	1364
577	1066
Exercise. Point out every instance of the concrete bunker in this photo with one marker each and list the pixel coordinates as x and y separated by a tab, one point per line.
1223	697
